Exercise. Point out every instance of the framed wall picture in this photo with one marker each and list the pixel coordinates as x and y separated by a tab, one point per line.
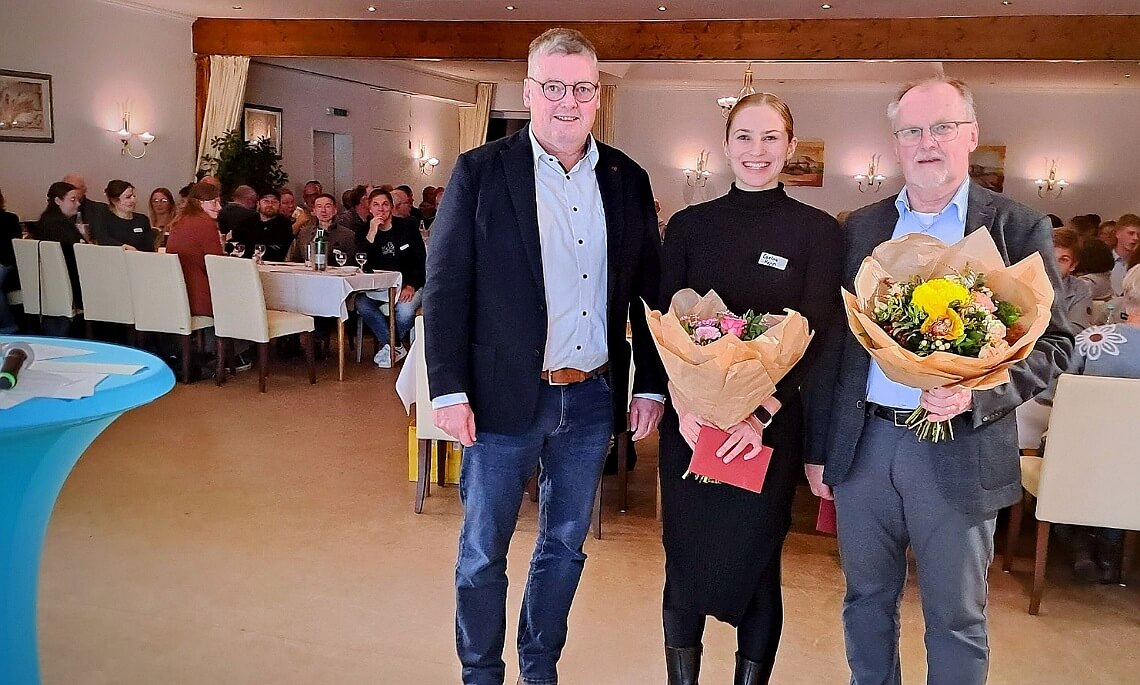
26	107
262	122
805	168
987	167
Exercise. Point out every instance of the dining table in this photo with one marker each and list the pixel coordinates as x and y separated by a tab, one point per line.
297	287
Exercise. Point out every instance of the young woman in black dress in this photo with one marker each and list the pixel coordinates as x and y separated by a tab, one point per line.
760	250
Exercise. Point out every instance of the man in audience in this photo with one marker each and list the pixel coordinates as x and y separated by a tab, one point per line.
404	206
1107	233
891	491
90	211
1075	294
309	193
266	227
241	209
1127	237
337	237
355	217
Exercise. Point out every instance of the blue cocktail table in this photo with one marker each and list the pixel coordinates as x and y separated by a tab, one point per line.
40	441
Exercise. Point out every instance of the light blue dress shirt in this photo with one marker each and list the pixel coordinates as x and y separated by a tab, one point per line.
1119	270
949	226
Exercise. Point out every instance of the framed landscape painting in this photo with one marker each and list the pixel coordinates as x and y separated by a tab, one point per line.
260	122
26	107
805	168
987	167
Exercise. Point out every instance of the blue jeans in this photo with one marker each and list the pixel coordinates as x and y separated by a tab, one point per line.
369	310
569	438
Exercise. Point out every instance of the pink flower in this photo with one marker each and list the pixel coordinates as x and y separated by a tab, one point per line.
706	333
733	324
982	301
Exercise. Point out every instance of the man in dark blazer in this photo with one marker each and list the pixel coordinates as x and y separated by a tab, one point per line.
545	244
891	490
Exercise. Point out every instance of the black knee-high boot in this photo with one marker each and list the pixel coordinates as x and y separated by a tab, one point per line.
749	672
683	664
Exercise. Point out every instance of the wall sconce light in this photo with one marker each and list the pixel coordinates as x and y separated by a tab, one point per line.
125	136
727	103
427	164
697	178
1051	186
872	180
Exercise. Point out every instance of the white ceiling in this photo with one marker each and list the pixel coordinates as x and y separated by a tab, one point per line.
611	10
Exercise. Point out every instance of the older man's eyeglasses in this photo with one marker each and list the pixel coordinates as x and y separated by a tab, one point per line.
584	91
942	132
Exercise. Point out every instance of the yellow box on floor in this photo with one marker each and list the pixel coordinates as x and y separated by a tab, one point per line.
454	457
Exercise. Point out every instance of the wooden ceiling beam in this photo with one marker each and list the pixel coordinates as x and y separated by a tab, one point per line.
1071	37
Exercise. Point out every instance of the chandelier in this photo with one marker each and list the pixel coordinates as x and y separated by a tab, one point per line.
727	103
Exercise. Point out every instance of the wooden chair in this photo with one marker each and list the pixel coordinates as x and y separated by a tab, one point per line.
428	436
240	314
159	301
1089	474
105	285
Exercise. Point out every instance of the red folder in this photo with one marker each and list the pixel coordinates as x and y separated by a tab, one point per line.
825	521
743	473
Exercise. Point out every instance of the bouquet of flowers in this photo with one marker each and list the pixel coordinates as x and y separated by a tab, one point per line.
934	315
721	366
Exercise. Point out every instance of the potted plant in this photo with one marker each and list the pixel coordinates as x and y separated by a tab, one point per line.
238	162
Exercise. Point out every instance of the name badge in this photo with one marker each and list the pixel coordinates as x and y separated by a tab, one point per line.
138	229
774	261
403	247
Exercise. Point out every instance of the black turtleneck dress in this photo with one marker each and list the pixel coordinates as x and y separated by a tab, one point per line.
722	543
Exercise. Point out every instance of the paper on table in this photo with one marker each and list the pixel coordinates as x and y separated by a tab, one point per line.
35	383
45	351
85	367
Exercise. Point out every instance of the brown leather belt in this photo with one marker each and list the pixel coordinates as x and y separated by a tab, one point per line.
570	376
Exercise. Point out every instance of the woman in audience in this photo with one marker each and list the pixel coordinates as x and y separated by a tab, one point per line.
121	226
1075	294
57	224
162	211
9	279
1094	264
193	235
1111	350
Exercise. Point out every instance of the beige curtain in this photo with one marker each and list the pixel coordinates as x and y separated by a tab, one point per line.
224	99
473	120
604	124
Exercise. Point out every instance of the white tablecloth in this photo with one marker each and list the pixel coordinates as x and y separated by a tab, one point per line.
297	288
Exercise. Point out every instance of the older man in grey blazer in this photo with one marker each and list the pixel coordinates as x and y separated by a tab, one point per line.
892	491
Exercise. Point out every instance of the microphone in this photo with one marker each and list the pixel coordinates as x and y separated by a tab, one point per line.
15	357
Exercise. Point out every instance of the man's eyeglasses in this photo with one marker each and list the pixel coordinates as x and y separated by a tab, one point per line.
942	132
584	91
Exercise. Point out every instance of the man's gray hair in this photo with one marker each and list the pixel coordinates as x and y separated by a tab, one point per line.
958	85
1132	289
560	42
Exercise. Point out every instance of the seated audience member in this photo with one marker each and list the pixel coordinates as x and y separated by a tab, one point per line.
193	235
90	212
1055	220
403	204
9	279
289	209
1075	295
1127	238
310	191
122	226
57	224
183	192
337	237
267	227
1094	219
1111	350
355	216
162	209
392	244
241	209
1094	264
1107	233
1084	226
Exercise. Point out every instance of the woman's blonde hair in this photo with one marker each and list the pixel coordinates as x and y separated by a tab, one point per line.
757	100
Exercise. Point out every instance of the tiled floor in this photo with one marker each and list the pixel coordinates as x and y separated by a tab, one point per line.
219	536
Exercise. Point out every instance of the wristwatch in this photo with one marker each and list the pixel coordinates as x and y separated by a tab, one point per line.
764	416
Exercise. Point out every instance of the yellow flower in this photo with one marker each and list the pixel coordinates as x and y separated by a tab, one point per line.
934	296
945	326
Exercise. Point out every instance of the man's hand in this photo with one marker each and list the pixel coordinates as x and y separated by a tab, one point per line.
644	415
406	294
373	229
946	403
814	473
457	420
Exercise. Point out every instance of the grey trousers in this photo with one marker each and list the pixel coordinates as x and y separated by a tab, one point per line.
888	502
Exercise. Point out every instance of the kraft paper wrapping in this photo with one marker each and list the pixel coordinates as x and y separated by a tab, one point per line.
725	381
1025	284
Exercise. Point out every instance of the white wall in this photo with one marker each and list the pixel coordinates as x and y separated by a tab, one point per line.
1091	135
386	127
99	55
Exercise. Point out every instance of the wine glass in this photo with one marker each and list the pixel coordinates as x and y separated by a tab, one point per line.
258	253
362	259
340	257
239	249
